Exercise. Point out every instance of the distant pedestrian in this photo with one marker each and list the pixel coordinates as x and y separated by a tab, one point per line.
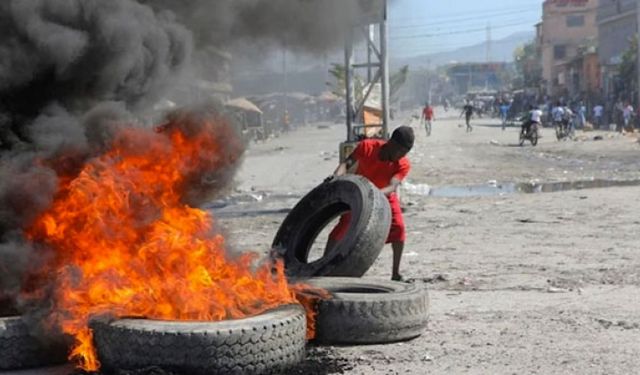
504	113
582	114
428	117
598	112
467	111
627	116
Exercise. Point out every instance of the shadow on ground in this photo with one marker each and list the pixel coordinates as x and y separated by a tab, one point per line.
320	361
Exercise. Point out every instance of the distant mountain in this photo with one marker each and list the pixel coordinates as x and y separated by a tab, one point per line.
501	50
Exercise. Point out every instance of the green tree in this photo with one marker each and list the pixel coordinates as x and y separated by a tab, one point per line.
528	67
397	80
339	74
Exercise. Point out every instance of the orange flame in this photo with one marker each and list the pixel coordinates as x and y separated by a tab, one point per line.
125	244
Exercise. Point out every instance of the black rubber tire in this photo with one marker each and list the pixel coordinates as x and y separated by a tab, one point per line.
534	137
269	343
370	312
361	246
20	348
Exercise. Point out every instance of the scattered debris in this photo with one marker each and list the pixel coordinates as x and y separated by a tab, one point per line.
621	323
526	221
552	289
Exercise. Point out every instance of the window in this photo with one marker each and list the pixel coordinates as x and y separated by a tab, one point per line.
575	21
559	52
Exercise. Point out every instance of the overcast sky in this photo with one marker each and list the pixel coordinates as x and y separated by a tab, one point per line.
427	26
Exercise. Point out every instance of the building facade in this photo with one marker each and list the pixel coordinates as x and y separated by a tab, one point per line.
617	23
567	26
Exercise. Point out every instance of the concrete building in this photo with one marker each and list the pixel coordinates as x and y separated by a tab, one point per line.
567	25
583	73
617	23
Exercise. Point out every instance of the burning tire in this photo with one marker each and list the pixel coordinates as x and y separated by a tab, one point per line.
264	344
369	311
19	348
363	242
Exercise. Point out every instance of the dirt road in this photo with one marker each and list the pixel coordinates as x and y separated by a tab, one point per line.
543	283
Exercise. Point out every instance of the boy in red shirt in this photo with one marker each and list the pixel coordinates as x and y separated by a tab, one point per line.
385	164
428	117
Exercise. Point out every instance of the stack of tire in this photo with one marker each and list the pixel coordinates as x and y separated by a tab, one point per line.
359	311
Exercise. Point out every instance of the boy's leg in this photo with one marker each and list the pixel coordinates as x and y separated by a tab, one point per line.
397	235
398	249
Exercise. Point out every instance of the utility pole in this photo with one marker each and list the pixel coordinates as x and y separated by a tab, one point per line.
486	82
488	42
285	88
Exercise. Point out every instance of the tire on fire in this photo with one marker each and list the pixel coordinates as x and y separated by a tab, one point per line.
363	242
365	311
21	348
264	344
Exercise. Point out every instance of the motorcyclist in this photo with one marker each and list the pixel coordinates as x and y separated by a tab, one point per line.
557	114
534	117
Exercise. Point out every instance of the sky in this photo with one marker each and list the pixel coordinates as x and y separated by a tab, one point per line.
418	27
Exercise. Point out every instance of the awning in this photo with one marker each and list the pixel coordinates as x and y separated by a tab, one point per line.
243	104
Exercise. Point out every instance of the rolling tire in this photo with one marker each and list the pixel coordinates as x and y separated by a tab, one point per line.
20	348
369	311
269	343
361	246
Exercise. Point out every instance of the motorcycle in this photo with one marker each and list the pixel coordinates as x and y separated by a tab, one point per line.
564	129
531	134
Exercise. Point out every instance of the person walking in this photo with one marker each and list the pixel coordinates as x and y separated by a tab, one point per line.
598	112
627	117
504	113
582	114
428	117
467	111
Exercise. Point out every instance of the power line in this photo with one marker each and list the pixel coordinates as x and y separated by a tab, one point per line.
417	36
481	13
472	25
452	21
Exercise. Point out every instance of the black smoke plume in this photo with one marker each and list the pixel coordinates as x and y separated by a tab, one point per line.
300	25
70	72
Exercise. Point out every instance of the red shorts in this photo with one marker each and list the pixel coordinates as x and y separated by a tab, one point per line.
397	232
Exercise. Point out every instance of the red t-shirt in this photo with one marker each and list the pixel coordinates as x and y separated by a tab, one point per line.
427	112
377	171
